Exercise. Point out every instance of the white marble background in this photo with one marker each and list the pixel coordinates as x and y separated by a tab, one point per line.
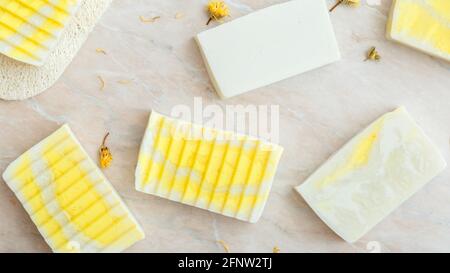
320	111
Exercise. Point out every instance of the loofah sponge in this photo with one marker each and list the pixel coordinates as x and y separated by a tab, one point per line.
21	81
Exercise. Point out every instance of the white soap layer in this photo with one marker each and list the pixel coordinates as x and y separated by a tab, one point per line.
372	175
268	46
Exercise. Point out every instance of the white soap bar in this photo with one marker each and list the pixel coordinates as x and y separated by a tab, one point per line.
372	175
268	46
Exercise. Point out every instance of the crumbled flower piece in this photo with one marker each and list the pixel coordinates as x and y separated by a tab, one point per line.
217	10
105	154
148	20
124	81
373	55
102	83
179	15
100	50
351	3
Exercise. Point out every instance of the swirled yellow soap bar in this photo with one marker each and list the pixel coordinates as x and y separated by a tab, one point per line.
421	24
29	30
373	174
220	171
72	204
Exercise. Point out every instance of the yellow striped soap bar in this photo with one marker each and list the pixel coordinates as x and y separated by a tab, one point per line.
220	171
30	29
421	24
372	175
70	201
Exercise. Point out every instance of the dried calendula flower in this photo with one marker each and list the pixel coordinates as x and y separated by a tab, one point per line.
373	55
352	3
276	249
148	20
105	154
217	10
225	246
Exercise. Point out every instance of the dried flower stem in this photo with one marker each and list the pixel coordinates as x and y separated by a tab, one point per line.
104	139
336	5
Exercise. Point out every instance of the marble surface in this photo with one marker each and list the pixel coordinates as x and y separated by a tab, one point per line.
319	112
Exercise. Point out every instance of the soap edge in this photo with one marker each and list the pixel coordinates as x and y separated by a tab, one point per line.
208	68
299	190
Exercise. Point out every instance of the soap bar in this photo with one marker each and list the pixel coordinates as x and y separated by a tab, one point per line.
29	30
220	171
372	175
267	46
421	24
70	201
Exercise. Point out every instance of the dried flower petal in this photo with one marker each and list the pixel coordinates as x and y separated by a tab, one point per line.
102	83
179	15
149	20
100	50
276	249
217	10
225	246
105	154
124	81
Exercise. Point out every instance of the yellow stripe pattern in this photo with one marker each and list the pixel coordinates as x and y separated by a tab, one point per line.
70	201
422	24
220	171
29	30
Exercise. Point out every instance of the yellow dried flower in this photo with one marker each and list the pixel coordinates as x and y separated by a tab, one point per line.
351	3
373	55
217	10
105	154
276	249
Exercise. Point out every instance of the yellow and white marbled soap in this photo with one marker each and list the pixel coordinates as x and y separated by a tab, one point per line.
373	174
70	201
29	30
421	24
220	171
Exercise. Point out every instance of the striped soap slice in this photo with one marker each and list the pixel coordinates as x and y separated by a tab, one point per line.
220	171
70	201
29	30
